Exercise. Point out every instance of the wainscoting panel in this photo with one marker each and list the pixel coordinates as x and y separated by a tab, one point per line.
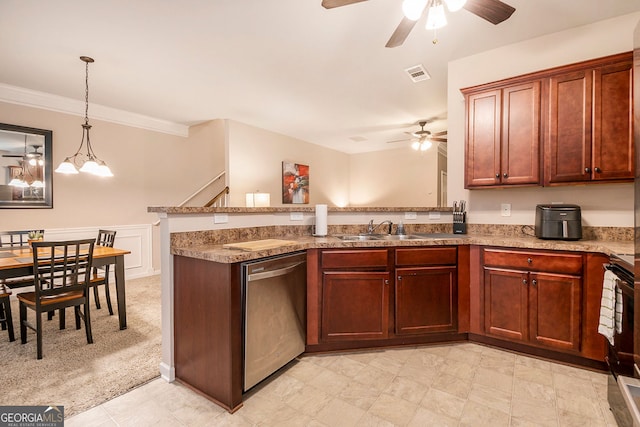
134	238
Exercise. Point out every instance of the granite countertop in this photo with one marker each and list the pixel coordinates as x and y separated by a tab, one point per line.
220	254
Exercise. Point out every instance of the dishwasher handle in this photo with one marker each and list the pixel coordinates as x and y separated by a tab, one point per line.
273	273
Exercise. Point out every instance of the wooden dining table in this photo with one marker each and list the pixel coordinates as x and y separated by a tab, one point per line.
17	262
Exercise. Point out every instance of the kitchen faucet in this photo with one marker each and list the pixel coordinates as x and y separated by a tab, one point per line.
371	228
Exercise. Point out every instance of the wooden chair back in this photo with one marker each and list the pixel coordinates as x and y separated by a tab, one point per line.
106	238
15	238
61	267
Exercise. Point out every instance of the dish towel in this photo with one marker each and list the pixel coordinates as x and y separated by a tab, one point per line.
610	307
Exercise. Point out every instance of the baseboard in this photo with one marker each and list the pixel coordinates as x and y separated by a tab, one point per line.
167	372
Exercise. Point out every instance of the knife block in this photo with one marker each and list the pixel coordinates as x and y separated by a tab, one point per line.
459	223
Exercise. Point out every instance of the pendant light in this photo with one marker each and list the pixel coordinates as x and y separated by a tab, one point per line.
88	162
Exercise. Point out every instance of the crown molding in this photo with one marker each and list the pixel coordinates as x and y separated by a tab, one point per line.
60	104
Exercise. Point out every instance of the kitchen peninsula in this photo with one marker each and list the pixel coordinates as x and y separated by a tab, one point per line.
467	270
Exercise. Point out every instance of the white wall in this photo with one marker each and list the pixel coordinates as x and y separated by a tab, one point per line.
255	163
397	177
602	205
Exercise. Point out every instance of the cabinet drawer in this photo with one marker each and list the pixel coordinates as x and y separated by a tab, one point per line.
426	256
355	258
532	260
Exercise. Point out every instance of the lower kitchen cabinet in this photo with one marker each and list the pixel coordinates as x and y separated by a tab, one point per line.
426	297
383	296
534	297
355	305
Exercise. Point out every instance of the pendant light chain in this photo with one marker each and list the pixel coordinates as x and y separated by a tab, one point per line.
92	164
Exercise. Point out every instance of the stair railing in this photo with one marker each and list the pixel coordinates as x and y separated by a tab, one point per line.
201	189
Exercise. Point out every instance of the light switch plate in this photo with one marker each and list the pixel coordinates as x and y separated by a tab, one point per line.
220	218
296	216
434	215
410	215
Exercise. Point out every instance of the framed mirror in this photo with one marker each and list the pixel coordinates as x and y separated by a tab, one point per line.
26	178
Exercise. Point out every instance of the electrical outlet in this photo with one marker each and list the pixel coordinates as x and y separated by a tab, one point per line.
505	209
410	215
220	218
296	216
434	215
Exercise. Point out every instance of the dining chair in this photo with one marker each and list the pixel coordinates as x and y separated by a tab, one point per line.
62	271
105	238
6	321
16	239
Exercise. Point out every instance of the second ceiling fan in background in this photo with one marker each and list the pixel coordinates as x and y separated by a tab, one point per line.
493	11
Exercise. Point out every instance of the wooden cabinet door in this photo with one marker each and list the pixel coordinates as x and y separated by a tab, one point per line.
520	148
482	166
613	151
555	310
506	304
426	300
568	137
355	305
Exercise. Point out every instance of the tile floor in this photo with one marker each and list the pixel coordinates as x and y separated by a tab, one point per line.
449	385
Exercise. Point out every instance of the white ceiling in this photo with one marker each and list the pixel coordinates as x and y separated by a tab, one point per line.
289	66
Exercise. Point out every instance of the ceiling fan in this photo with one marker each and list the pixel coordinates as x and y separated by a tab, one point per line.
31	155
493	11
422	139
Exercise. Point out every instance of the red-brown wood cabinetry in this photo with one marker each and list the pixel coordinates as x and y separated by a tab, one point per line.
589	135
534	297
502	139
426	291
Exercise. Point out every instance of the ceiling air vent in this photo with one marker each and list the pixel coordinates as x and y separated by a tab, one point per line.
418	73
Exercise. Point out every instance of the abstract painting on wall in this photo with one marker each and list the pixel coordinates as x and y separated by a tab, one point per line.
295	183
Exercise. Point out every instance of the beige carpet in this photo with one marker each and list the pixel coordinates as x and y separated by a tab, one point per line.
78	375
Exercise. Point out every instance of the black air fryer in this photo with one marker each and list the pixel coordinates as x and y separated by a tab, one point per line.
558	222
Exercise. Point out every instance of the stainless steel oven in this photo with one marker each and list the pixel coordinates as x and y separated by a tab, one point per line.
620	354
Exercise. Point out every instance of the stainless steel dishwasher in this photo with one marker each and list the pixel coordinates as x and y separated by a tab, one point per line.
275	291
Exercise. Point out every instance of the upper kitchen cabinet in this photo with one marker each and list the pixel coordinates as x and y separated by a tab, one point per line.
566	125
503	134
589	134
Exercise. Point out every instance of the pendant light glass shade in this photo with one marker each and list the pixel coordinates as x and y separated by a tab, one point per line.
413	9
436	18
455	5
87	162
67	167
37	184
17	182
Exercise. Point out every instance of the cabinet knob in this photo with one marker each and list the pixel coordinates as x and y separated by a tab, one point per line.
598	170
587	170
505	175
529	260
399	277
386	281
534	282
524	281
497	175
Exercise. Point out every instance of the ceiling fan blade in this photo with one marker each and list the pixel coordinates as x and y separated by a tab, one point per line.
399	140
444	132
13	155
330	4
493	11
402	31
439	139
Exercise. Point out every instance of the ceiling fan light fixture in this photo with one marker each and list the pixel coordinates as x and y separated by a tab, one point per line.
425	145
455	5
436	17
413	9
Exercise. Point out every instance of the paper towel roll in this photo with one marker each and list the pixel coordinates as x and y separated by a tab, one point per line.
321	220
